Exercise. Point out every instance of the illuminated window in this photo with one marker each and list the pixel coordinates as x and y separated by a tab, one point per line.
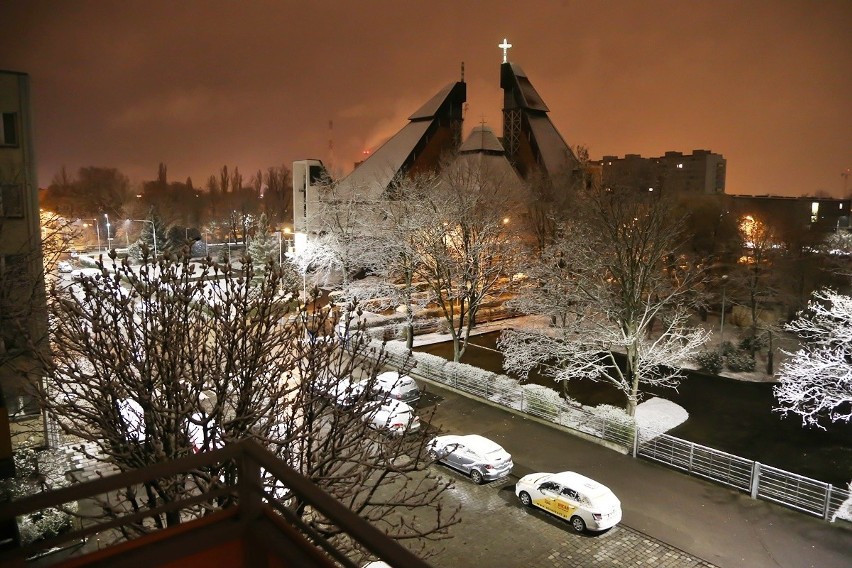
814	211
680	166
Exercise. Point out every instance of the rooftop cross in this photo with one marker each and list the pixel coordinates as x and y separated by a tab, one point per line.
505	47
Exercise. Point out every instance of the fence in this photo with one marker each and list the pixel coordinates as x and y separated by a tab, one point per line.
758	480
508	393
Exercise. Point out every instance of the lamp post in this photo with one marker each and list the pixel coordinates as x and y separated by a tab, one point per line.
98	233
153	231
109	247
722	319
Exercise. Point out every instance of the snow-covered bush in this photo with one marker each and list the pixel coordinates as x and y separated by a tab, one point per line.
36	472
430	365
709	361
753	343
397	352
617	424
469	378
505	390
727	348
740	361
542	401
844	511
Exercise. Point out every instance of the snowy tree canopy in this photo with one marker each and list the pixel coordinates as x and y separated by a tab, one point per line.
613	281
264	246
816	381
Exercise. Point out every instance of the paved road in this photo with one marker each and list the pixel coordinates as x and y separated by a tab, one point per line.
670	519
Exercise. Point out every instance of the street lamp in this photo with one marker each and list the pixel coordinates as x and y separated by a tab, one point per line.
98	232
153	231
109	247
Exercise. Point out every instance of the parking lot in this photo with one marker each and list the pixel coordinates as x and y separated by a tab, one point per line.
670	519
497	531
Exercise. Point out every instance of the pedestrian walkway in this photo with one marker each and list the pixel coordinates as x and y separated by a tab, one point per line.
83	465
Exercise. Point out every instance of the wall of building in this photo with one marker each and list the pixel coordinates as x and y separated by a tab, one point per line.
22	300
701	171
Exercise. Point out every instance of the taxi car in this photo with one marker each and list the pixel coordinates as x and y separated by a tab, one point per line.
585	503
474	455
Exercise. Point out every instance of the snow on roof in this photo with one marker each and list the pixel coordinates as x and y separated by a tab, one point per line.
379	169
431	107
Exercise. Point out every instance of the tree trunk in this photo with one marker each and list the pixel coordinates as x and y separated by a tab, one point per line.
770	356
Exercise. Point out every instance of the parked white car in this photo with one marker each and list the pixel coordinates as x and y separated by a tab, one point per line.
474	455
341	392
391	384
391	416
65	267
585	503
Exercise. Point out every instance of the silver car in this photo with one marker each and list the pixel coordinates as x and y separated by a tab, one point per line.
474	455
392	385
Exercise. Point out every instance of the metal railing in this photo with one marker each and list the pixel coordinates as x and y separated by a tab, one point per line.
515	397
258	477
758	480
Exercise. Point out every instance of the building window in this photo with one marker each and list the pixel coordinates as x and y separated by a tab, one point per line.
11	200
814	212
9	134
680	166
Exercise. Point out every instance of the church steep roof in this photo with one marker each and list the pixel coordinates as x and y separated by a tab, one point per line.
530	138
430	131
481	139
525	95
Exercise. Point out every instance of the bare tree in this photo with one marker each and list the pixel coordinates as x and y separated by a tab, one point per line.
613	282
156	362
754	277
816	380
345	243
468	247
398	260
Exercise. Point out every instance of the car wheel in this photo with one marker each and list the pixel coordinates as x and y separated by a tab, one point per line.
433	457
476	476
526	501
578	524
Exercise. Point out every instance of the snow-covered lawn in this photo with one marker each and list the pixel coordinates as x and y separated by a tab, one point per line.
657	416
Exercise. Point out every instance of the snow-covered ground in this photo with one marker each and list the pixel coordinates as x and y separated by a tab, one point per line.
657	416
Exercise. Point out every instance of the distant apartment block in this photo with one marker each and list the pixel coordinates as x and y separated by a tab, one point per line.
700	172
22	301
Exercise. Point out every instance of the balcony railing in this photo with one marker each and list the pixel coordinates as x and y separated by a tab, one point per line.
248	501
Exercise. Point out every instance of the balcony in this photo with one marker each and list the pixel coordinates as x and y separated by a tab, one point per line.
241	523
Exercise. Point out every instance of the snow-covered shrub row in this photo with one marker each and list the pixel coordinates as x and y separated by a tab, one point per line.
506	391
431	365
542	402
615	423
469	378
398	354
